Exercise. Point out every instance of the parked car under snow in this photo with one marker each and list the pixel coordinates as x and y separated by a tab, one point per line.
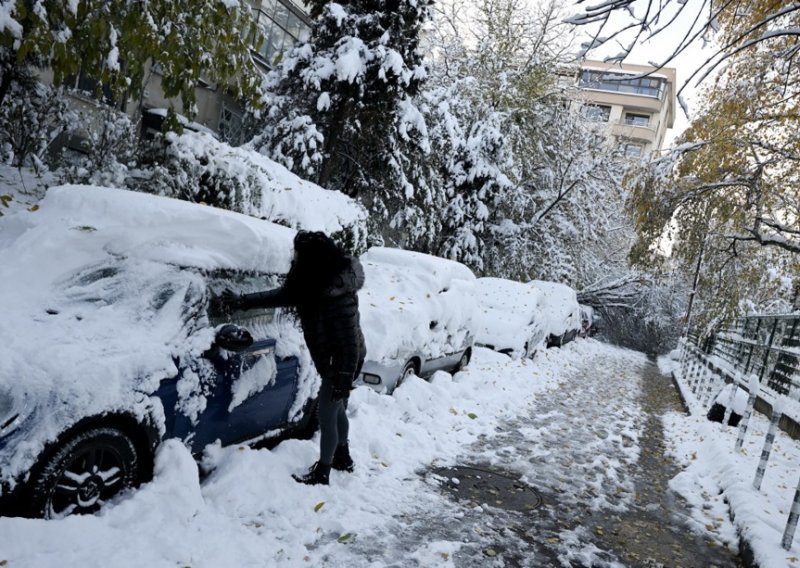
415	313
107	347
508	317
562	314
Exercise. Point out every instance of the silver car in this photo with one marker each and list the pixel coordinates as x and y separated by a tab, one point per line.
416	313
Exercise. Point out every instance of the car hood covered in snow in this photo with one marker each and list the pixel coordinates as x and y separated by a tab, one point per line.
103	289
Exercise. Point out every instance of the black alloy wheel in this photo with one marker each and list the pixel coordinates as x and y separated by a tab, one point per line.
84	473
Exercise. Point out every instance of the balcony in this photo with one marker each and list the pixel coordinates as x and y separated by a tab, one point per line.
624	129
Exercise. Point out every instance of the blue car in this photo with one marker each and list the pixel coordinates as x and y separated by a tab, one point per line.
109	347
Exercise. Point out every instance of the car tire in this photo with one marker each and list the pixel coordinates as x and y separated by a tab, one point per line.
410	368
311	425
84	472
463	362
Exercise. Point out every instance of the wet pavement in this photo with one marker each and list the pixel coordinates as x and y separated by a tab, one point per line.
582	480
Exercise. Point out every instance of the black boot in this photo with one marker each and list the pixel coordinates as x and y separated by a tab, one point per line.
342	460
318	474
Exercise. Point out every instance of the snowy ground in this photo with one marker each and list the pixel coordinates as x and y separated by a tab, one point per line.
714	473
521	416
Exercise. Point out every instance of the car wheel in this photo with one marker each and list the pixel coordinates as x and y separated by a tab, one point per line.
84	473
312	422
409	369
463	362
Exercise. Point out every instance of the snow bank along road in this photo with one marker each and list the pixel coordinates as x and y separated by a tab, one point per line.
580	425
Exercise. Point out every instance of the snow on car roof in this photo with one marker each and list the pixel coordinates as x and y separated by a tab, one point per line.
403	296
96	305
129	223
441	269
559	306
507	295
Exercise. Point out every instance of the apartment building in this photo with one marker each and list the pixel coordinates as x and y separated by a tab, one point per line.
636	101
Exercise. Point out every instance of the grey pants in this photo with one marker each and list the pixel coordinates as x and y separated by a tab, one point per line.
333	424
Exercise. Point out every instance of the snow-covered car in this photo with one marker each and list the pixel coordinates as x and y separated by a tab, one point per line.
508	316
560	310
107	346
415	312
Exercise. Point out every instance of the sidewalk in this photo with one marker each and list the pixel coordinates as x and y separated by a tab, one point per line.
706	452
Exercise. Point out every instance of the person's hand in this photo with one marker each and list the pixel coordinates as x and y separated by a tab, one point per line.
230	298
225	303
340	393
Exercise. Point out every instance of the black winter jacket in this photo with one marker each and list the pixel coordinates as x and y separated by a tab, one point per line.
331	326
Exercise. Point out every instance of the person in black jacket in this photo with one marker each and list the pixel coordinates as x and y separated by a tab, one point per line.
321	287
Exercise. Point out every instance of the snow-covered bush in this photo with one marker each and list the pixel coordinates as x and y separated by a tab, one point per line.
198	168
32	116
109	144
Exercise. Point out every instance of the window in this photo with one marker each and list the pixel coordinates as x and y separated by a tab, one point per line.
597	113
632	149
90	87
230	126
637	119
277	29
622	83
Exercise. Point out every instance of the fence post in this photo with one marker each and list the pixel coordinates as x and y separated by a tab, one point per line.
791	523
684	358
731	399
752	345
751	401
777	412
712	386
767	349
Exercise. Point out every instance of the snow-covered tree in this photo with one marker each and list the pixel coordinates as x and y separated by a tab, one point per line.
727	196
516	182
340	110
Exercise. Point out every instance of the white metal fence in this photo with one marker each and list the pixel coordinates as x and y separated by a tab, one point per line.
760	354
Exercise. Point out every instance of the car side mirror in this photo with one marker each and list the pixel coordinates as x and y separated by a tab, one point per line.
233	338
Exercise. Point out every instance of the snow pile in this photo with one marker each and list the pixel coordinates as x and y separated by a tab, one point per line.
21	188
96	304
508	316
559	306
413	302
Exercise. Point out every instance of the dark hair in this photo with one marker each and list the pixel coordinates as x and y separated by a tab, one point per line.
317	261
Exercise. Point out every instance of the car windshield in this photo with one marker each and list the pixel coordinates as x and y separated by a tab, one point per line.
242	283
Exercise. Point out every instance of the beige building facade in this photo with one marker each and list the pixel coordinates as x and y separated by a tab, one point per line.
637	102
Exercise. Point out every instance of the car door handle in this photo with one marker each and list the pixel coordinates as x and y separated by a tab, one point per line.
263	351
